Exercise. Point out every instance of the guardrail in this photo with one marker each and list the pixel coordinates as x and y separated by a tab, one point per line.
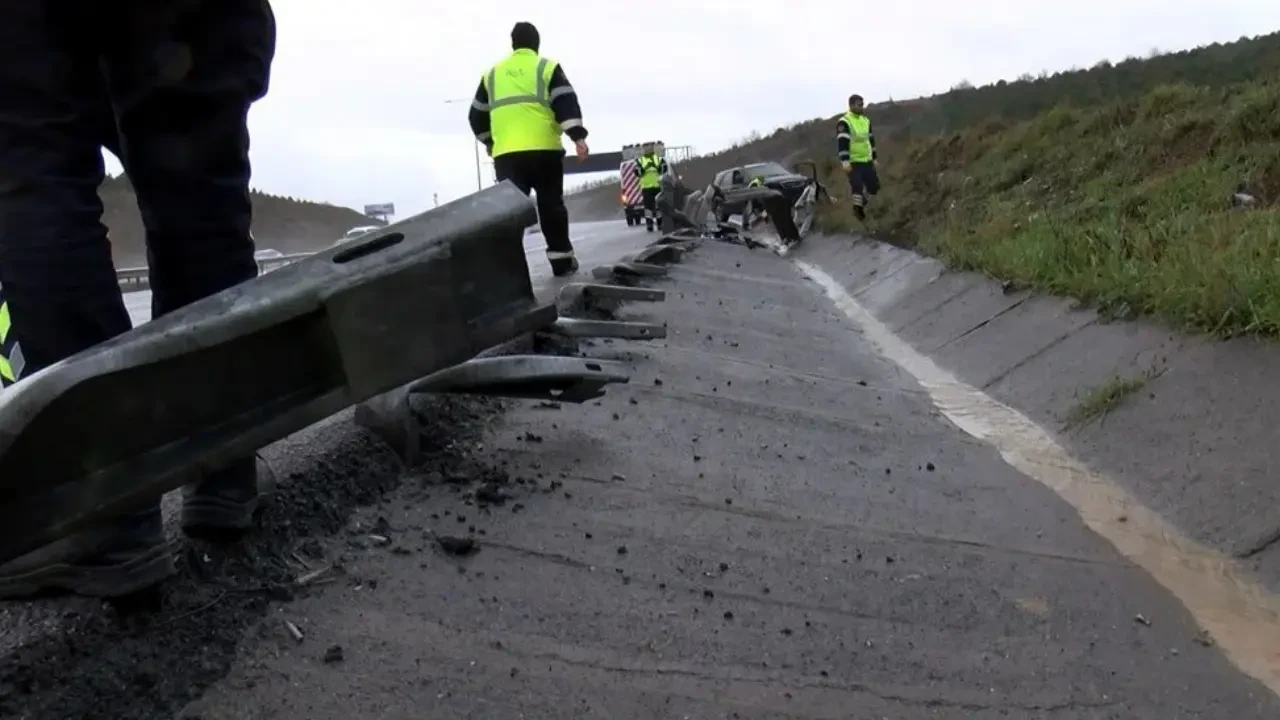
137	279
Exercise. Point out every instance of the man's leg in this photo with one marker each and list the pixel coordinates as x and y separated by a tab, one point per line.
185	147
553	216
513	167
650	196
60	294
871	179
858	191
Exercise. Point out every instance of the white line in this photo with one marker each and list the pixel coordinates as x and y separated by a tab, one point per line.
1242	617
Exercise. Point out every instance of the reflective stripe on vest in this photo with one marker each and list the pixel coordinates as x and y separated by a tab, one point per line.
859	137
757	180
520	115
650	177
12	362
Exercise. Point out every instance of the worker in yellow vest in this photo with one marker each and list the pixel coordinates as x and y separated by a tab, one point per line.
650	167
856	147
522	106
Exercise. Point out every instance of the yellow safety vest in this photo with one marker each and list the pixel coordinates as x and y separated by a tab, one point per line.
756	181
520	116
649	171
859	137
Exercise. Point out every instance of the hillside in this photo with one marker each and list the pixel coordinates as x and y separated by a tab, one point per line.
1216	65
285	224
1145	187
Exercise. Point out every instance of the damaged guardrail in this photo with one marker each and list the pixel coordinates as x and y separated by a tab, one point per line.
171	400
549	375
139	278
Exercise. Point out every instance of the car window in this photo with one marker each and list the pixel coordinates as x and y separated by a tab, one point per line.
766	170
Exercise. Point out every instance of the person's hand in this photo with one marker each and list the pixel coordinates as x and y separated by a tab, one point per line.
848	166
581	147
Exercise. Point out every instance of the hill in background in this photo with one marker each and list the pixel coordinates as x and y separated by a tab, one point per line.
1145	187
897	122
286	224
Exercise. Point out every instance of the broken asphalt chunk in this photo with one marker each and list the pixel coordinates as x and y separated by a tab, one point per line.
458	546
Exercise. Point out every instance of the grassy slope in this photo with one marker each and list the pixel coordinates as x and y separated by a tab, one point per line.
1128	206
1113	184
285	224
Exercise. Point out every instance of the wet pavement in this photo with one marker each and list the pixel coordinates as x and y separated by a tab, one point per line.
769	521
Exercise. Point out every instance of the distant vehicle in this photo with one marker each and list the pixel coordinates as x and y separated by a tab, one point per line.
267	254
773	175
631	198
356	232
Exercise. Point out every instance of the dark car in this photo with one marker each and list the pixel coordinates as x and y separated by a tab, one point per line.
729	183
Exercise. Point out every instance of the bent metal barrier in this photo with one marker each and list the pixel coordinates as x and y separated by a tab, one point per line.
182	395
136	279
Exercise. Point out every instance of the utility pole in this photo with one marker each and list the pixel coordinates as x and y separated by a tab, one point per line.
479	184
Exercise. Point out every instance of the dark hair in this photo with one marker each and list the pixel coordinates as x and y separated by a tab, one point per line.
855	98
524	36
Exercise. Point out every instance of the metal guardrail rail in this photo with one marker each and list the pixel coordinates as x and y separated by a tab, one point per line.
137	279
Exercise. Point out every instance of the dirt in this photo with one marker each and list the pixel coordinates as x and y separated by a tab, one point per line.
149	665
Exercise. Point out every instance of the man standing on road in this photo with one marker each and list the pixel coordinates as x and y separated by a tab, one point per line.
521	107
650	168
166	87
856	147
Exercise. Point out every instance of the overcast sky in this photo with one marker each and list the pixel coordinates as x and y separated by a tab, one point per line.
358	110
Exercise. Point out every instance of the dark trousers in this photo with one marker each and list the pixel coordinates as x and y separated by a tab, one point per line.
164	85
863	179
541	171
649	197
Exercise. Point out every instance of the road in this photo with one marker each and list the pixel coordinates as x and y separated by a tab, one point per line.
594	243
770	521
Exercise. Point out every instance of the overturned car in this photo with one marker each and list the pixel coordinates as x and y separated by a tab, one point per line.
768	191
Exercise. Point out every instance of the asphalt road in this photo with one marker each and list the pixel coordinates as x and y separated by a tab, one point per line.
594	243
769	521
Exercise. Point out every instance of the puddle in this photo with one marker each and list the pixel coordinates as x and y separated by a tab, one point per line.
1241	617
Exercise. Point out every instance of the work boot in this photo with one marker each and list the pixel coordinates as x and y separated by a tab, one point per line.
223	506
561	267
112	560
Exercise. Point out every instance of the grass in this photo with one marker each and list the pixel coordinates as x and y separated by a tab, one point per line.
1100	401
1128	206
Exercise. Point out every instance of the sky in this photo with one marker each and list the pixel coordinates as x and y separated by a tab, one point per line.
369	106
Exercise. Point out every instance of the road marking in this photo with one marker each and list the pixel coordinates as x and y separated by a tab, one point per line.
1242	617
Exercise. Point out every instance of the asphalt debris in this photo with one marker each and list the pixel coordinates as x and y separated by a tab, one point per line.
455	545
72	657
333	654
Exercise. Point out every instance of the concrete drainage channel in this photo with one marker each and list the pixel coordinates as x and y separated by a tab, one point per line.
153	664
1162	444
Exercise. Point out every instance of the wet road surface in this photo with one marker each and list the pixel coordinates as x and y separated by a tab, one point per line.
769	521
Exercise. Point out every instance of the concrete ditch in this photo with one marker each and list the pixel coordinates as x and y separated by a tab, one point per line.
1188	425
